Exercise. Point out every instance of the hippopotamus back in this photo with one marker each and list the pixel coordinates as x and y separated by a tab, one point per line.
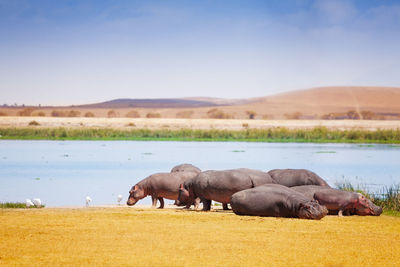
273	200
186	168
296	177
308	190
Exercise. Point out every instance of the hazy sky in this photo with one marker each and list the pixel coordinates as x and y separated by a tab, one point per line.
74	52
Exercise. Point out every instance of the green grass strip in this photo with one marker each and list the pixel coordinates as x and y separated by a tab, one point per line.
315	135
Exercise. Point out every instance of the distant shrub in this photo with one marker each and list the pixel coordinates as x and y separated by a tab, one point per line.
73	113
245	125
25	112
131	124
185	114
41	114
153	115
2	113
132	114
294	116
34	123
251	114
218	114
112	114
353	115
89	114
368	115
58	113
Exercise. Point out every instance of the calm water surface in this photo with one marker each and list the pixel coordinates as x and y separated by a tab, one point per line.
65	172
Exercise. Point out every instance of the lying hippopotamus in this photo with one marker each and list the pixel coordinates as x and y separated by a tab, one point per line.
296	177
274	200
159	186
339	201
219	186
186	168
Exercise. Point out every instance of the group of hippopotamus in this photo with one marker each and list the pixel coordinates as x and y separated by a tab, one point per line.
295	193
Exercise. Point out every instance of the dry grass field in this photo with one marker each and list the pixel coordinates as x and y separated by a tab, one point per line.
172	237
204	124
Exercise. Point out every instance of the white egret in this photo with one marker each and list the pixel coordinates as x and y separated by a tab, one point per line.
119	198
88	200
28	203
37	202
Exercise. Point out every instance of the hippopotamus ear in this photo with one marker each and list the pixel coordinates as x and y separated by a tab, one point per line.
136	187
181	186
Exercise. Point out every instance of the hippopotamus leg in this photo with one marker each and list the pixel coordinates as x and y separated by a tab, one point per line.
196	203
225	206
206	204
154	201
161	202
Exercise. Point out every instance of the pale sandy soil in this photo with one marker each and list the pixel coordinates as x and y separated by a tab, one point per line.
230	124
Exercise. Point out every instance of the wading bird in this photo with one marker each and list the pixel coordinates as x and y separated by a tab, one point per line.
119	198
88	200
28	203
37	202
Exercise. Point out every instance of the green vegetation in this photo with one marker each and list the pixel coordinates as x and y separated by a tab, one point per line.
388	198
316	135
16	205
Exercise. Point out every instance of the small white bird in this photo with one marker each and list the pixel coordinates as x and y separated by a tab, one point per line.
119	198
28	203
88	200
37	202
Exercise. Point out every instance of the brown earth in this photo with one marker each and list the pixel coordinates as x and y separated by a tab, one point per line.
327	102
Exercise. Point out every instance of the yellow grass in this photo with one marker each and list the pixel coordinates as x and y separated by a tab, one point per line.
148	237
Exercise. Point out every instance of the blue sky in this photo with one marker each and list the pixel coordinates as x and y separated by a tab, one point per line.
74	52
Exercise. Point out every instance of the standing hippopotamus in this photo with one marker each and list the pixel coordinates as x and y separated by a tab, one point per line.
159	186
274	200
295	177
219	186
339	202
185	168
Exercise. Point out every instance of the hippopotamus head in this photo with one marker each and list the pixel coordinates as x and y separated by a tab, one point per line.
135	194
364	207
312	210
183	196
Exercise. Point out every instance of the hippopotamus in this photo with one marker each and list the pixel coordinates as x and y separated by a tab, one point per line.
296	177
186	168
159	186
219	186
308	190
339	202
274	200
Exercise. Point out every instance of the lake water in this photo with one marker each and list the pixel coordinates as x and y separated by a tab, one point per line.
63	173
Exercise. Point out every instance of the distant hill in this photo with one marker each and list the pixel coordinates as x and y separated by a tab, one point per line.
331	99
151	103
